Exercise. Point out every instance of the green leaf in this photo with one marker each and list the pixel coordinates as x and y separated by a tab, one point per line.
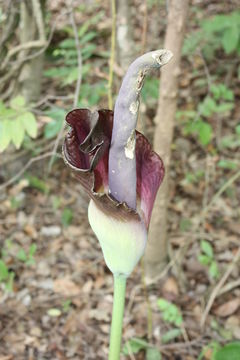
230	351
213	270
134	345
227	164
205	133
238	129
207	107
17	132
53	128
230	39
57	72
3	271
171	335
37	183
231	142
163	304
212	345
9	283
221	91
204	259
201	128
215	23
66	305
225	107
21	255
150	89
153	353
67	217
207	248
2	106
170	312
29	122
32	250
185	224
56	202
87	37
5	134
18	102
9	114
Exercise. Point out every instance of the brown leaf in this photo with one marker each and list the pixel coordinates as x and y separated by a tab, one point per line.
208	354
228	308
171	286
66	287
30	231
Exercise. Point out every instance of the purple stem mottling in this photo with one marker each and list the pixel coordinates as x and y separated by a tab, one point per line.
122	159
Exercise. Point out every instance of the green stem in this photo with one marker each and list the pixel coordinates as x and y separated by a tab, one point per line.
117	316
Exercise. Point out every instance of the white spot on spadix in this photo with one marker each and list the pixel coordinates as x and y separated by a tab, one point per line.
130	146
162	57
134	107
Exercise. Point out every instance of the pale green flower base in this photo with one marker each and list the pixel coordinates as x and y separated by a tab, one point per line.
117	317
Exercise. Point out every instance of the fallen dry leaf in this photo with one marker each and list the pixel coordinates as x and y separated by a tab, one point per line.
228	308
66	287
170	286
208	354
31	231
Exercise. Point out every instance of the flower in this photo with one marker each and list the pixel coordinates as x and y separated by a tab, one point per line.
118	169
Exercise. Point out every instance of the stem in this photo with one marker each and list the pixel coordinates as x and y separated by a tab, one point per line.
117	316
149	310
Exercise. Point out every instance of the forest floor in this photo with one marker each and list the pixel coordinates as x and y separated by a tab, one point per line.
61	299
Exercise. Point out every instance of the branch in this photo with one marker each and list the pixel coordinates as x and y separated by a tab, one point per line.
18	64
25	167
38	13
218	194
11	24
25	46
218	287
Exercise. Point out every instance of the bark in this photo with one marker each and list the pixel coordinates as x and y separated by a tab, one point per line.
156	252
29	82
125	43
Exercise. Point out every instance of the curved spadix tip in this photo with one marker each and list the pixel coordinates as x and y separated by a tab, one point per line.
162	56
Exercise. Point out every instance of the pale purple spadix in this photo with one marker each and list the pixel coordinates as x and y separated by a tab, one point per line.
122	156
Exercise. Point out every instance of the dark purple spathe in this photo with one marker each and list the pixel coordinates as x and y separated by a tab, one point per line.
86	151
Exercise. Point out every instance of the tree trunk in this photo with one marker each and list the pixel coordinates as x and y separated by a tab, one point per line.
29	82
156	252
125	43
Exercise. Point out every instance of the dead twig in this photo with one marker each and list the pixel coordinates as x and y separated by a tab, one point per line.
218	287
229	287
26	46
25	167
218	194
20	62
